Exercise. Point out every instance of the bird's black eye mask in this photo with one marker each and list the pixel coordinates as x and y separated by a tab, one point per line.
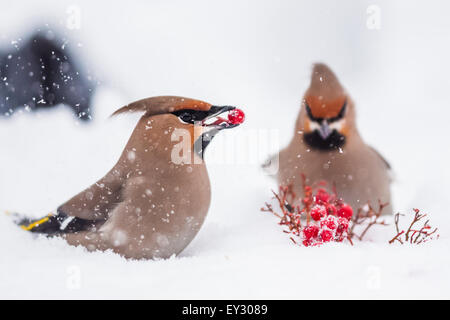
340	115
325	138
192	116
208	119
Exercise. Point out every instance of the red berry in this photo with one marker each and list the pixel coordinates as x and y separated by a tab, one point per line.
342	225
322	196
311	231
306	243
318	212
236	116
345	212
329	222
326	235
331	209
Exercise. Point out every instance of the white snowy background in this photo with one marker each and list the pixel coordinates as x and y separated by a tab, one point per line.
256	55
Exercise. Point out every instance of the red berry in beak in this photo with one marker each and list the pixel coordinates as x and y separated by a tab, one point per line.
236	116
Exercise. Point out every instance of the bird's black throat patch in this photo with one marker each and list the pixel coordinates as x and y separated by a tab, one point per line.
203	141
334	141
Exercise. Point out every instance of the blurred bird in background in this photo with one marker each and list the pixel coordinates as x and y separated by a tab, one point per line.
41	72
327	146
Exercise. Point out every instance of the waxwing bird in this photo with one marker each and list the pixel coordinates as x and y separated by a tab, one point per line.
326	146
152	203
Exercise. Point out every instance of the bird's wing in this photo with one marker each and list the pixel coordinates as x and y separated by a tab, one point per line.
388	165
87	209
390	172
97	201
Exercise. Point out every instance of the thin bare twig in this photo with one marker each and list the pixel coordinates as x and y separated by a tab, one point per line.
413	235
361	218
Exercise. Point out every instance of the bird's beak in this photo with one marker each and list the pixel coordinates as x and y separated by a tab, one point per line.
324	130
211	125
214	121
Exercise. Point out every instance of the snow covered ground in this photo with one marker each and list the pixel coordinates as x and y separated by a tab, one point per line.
257	55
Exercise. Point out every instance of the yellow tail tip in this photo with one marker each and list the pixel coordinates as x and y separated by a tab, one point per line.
36	223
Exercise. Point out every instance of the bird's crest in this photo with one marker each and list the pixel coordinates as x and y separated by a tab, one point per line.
325	96
163	104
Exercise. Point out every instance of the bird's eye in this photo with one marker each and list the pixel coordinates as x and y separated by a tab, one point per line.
343	110
190	116
309	112
341	113
186	117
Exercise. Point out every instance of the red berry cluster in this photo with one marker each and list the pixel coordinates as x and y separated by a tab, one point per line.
330	219
319	218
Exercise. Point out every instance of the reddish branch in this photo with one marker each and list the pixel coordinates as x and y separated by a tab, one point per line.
369	218
290	215
413	235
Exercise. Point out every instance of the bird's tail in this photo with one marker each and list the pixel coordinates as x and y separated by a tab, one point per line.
51	224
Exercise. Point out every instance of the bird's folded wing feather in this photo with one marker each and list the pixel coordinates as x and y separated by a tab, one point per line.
97	201
388	165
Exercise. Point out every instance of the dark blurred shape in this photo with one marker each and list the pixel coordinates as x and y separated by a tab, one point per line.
41	73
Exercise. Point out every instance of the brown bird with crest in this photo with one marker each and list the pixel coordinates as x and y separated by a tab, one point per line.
152	203
326	146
